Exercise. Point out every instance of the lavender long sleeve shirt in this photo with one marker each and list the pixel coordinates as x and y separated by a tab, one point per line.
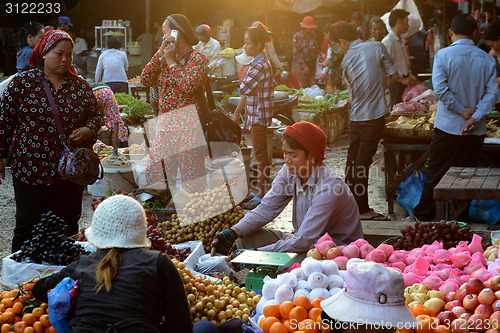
323	204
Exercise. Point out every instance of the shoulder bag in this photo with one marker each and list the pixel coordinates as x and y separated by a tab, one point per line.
80	166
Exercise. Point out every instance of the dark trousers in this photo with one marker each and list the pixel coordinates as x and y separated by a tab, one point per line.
363	142
63	199
447	151
396	89
118	87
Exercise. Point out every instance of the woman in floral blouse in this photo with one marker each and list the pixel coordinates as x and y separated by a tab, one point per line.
179	72
26	116
305	51
108	105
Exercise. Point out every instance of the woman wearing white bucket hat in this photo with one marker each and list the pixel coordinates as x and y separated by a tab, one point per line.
124	286
372	301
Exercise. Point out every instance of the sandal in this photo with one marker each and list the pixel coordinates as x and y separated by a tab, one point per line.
250	206
249	197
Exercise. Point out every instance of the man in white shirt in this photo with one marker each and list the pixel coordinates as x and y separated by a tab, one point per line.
210	48
395	44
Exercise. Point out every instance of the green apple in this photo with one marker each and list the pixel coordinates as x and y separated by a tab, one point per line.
435	294
420	297
418	288
408	298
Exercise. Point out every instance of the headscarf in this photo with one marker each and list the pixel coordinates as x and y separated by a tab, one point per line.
181	23
45	44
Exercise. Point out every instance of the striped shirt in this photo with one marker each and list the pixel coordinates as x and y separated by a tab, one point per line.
397	50
258	85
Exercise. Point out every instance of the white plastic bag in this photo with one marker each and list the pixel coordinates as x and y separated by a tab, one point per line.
208	264
415	21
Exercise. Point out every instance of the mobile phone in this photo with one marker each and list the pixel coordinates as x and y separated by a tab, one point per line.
174	33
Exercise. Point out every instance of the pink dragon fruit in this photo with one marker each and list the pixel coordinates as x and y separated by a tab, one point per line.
351	251
364	250
324	246
388	249
432	282
341	262
411	279
397	256
482	274
461	259
376	256
475	244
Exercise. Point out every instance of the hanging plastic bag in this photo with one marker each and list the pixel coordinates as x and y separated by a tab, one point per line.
485	211
410	190
60	300
414	19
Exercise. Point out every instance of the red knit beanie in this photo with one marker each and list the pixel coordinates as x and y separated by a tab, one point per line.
310	136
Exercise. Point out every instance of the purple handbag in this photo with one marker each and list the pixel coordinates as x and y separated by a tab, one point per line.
80	166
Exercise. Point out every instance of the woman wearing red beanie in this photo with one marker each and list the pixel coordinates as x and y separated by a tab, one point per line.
322	202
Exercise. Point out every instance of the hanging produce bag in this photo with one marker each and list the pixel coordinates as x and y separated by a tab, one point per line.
415	21
410	190
60	301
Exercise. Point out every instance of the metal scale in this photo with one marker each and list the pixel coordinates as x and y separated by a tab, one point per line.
264	263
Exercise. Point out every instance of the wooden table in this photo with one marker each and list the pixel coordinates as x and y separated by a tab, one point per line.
460	186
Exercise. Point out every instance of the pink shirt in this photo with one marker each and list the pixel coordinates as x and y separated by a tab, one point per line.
323	204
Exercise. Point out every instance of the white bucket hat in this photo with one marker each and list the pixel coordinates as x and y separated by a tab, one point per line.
119	221
373	295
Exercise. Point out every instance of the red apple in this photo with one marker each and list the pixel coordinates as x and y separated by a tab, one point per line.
458	311
474	286
460	325
494	283
450	305
487	296
495	306
497	294
492	330
495	320
478	323
334	252
451	296
470	302
466	315
446	317
484	310
462	294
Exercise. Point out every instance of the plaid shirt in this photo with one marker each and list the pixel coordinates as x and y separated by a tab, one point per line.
258	85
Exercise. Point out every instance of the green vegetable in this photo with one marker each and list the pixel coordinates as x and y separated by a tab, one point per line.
225	97
124	99
140	108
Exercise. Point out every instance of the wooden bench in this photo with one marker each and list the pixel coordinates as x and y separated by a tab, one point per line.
460	186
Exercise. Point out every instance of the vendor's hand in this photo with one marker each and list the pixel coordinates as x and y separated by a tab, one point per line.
2	170
223	242
467	113
81	134
236	118
469	126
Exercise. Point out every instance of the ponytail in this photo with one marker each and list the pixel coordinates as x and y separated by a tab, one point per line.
259	34
107	269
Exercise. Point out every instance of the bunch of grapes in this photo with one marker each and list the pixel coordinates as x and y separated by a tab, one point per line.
448	233
159	244
49	244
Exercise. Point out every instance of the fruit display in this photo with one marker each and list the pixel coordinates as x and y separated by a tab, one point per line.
159	244
449	233
216	302
202	218
492	252
418	294
49	244
493	130
20	312
313	279
300	315
403	122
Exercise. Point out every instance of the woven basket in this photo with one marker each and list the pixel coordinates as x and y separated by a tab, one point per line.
390	241
408	133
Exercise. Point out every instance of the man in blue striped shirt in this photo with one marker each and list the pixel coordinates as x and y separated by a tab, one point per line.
464	79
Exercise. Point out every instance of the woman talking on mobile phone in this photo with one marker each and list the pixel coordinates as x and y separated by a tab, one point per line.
179	71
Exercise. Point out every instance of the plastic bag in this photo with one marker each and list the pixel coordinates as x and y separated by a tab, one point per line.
410	190
211	265
415	21
485	211
60	299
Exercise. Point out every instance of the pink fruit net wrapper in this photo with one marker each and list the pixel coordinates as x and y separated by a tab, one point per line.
364	250
461	259
410	260
448	287
324	246
482	274
420	267
341	262
411	279
475	244
475	264
398	256
351	251
388	249
432	282
376	256
360	242
441	256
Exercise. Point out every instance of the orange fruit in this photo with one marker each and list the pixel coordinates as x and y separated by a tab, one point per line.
303	301
285	309
314	313
290	328
5	328
37	312
268	322
442	329
8	317
316	303
261	322
44	319
20	326
278	328
308	326
29	318
23	298
51	329
44	306
38	327
297	314
18	308
420	309
272	310
4	294
426	322
8	302
29	329
14	292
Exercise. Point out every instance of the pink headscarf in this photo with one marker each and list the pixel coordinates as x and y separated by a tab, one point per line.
48	40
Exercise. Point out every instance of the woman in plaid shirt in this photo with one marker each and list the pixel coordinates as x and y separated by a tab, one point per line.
257	95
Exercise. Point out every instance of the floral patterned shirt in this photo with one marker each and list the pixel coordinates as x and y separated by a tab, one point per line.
26	116
305	47
109	106
177	84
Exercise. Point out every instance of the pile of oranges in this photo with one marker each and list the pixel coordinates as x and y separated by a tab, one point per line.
20	313
428	321
300	316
